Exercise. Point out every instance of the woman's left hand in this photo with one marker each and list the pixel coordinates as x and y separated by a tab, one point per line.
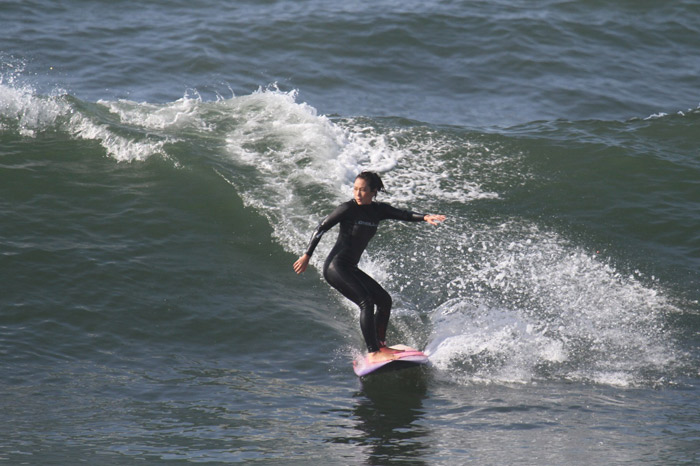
434	219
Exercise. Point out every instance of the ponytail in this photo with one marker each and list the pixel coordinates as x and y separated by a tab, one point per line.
373	180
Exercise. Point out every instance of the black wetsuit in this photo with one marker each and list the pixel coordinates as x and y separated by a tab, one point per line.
358	224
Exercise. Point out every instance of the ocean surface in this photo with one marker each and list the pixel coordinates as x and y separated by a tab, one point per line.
162	165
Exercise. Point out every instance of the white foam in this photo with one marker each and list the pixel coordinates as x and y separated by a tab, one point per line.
30	113
33	114
421	169
529	303
121	148
184	114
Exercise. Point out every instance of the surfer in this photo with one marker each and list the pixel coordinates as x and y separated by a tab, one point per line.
359	219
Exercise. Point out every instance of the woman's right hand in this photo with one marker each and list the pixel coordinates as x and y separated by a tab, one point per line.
301	263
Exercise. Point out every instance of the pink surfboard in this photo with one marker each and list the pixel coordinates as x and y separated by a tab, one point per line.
405	358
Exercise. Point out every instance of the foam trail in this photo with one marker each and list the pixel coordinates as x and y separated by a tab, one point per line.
528	305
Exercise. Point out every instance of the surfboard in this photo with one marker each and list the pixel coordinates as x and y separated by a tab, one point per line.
406	357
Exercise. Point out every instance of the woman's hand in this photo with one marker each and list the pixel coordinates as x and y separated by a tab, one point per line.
434	219
301	263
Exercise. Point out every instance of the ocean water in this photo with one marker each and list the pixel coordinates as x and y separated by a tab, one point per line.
162	165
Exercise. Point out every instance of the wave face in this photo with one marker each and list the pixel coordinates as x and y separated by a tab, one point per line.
570	248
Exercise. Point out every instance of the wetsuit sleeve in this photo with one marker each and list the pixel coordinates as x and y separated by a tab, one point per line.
326	224
390	212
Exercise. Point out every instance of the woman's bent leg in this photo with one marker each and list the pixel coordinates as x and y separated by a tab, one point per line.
361	289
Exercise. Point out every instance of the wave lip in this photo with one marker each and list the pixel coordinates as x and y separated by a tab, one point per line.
127	131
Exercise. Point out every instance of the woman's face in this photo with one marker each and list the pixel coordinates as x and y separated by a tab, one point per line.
362	193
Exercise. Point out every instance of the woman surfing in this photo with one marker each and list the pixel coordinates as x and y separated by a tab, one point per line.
359	219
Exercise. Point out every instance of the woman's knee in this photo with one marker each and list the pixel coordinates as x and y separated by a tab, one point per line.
383	301
343	282
366	307
366	312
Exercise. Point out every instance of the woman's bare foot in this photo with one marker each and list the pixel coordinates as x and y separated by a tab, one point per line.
381	356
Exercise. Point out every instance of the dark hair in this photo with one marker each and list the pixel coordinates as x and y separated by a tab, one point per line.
374	181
